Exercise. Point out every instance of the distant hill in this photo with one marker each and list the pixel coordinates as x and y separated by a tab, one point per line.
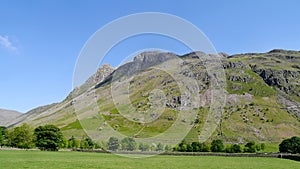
263	98
7	116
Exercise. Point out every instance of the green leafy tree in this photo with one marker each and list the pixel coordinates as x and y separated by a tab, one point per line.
144	147
182	147
234	148
262	146
73	142
87	143
250	147
291	145
2	135
128	144
167	148
217	146
160	147
21	137
48	137
204	147
113	144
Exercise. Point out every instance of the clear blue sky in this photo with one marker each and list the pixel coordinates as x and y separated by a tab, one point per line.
40	40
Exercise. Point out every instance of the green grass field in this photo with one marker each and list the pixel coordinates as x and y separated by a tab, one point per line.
74	160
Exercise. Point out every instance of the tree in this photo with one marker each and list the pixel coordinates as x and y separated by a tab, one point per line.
21	137
73	142
160	147
291	145
167	148
48	137
250	147
87	143
182	147
196	146
217	146
234	148
2	135
262	146
144	147
113	144
128	144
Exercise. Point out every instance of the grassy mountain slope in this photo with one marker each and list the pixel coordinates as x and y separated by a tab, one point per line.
262	99
7	115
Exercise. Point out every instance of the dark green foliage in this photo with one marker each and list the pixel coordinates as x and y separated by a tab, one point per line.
73	142
182	147
88	143
262	146
2	134
194	147
291	145
128	144
113	144
167	148
250	147
217	146
20	137
144	147
48	137
160	147
234	148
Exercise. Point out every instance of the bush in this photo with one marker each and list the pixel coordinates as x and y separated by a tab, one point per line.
73	142
250	147
234	148
217	146
128	144
291	145
48	137
88	143
113	144
144	147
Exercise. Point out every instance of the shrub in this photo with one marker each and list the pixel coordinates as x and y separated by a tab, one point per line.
128	144
250	147
217	146
291	145
48	137
113	144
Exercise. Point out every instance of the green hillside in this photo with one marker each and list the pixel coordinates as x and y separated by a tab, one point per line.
262	99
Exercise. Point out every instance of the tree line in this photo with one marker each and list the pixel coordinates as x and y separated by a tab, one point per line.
51	138
47	137
218	146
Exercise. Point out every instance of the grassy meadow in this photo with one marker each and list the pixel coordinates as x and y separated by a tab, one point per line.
73	160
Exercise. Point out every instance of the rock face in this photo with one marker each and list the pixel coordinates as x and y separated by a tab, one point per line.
143	61
102	73
8	115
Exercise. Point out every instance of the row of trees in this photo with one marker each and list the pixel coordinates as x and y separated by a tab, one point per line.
129	144
48	137
218	146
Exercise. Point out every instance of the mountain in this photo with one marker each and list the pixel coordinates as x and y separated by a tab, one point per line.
143	98
7	115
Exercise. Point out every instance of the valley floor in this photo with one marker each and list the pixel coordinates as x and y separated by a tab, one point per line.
14	159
